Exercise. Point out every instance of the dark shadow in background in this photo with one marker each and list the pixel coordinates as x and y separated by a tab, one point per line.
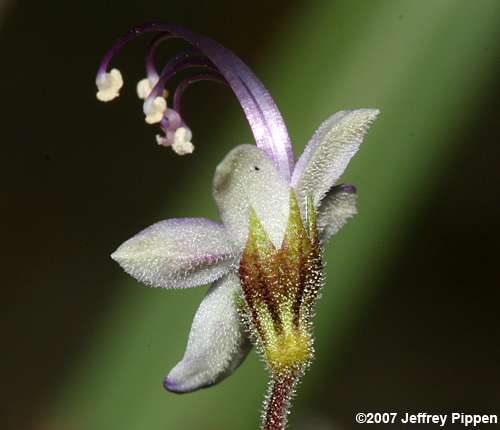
433	327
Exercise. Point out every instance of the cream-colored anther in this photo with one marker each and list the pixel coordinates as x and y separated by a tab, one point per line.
155	109
182	141
108	85
144	88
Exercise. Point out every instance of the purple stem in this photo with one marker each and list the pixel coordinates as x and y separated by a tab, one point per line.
278	402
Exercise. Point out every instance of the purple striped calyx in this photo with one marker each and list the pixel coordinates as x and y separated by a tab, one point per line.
280	287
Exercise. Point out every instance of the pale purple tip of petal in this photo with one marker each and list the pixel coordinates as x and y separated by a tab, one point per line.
169	385
345	188
173	388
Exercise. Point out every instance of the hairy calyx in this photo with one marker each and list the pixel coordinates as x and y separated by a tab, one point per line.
280	287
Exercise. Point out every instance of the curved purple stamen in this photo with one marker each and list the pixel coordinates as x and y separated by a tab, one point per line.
151	71
263	116
181	61
183	86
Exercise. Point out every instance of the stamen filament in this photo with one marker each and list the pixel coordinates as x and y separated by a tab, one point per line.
144	86
262	113
151	71
183	60
183	86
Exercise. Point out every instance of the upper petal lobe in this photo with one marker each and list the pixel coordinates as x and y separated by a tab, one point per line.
329	151
248	178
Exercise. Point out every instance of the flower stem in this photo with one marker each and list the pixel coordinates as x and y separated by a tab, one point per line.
276	407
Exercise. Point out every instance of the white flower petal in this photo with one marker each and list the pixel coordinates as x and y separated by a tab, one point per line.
217	342
178	253
248	178
335	210
329	151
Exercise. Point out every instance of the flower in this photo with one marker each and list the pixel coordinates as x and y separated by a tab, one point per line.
264	261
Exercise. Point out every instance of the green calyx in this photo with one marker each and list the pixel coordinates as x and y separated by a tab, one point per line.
280	287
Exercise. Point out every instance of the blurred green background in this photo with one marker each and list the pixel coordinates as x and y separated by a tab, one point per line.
409	317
